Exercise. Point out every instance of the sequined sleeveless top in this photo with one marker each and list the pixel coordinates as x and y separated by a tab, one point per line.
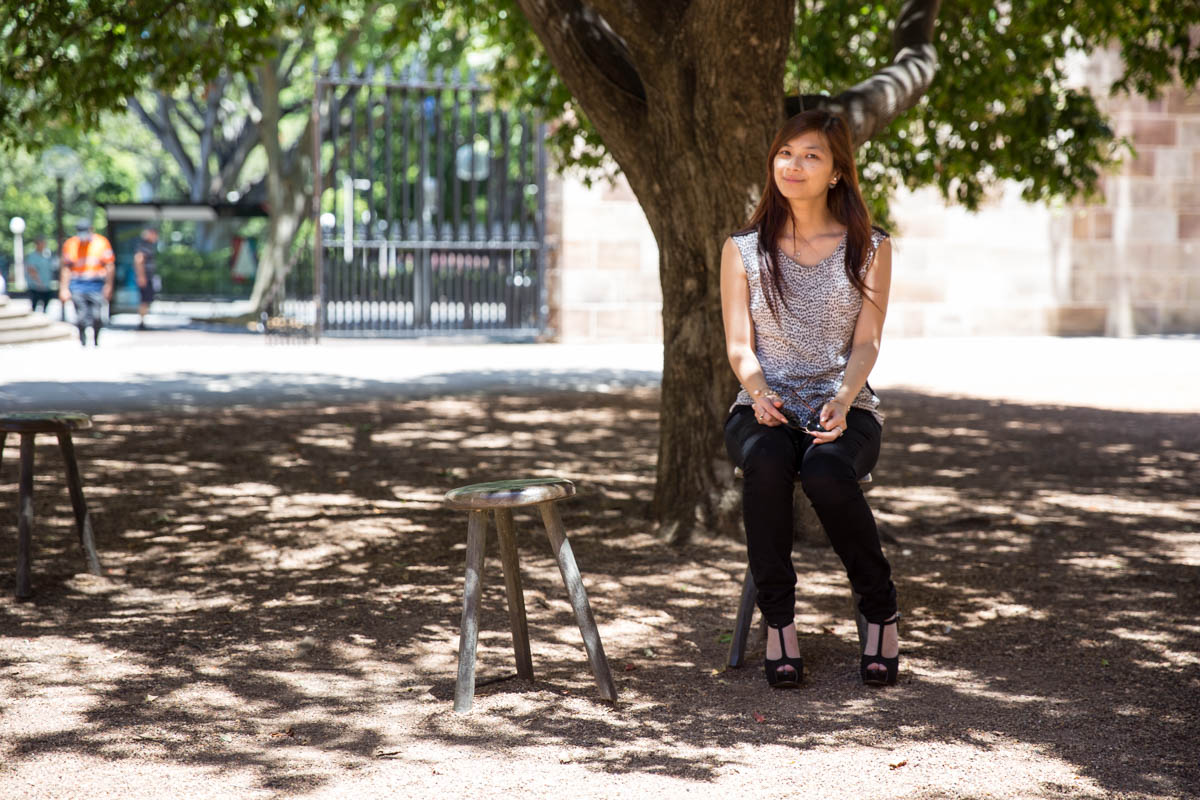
805	350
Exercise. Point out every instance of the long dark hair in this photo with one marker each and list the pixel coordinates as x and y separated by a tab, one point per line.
844	201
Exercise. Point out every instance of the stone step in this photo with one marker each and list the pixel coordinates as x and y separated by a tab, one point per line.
25	321
19	325
13	310
49	331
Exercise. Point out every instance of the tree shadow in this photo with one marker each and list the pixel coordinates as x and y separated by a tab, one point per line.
284	591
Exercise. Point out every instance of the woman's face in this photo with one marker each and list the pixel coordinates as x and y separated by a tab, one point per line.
804	167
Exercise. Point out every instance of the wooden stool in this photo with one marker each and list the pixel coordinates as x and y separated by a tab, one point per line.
60	423
746	606
502	497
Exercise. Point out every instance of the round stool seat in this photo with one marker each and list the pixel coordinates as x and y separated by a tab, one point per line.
509	494
44	422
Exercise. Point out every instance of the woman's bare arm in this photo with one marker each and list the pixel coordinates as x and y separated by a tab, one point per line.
739	331
868	331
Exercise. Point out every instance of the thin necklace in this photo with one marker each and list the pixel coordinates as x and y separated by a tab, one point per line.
832	253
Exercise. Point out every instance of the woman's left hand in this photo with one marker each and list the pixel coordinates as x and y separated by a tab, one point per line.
833	420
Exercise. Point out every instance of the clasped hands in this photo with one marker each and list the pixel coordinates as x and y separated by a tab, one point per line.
768	410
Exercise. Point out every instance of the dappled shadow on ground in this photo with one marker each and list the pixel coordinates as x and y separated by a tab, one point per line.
284	592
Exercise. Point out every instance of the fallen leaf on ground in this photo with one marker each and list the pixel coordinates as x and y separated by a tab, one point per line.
759	717
897	765
630	667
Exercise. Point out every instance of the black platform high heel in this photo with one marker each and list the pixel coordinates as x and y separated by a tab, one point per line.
779	676
875	677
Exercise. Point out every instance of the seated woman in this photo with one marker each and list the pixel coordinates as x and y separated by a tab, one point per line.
804	291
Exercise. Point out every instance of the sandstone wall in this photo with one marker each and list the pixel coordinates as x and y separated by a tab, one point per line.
1126	264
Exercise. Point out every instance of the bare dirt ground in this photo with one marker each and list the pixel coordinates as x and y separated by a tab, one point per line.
281	613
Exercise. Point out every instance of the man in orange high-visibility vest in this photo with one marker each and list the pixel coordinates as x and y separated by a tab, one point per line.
88	272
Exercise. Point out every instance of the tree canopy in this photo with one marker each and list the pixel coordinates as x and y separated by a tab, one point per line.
1004	104
64	62
1002	107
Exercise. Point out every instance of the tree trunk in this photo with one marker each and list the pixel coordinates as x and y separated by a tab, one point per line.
288	184
287	215
694	474
689	121
693	204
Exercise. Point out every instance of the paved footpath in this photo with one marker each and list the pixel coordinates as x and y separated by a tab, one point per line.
134	370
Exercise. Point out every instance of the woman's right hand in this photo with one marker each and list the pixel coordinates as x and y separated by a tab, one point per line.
768	409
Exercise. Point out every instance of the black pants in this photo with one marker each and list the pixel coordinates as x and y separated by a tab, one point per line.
40	297
770	458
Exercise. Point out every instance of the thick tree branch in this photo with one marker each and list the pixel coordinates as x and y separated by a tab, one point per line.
208	142
161	125
197	109
592	60
643	29
232	155
174	112
145	116
293	53
873	104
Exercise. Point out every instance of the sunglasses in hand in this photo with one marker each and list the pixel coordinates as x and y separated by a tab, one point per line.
810	424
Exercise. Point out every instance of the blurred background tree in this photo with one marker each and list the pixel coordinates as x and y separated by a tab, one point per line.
118	162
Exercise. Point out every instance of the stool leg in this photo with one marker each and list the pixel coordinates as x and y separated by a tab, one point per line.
579	601
83	521
741	626
464	689
25	517
506	533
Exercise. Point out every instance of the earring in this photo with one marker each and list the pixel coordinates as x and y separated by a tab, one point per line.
833	183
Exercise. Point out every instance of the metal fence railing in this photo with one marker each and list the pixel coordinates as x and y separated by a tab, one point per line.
429	211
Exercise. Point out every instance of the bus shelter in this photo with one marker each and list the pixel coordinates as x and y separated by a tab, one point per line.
205	252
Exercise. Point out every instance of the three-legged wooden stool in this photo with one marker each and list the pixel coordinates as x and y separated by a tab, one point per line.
502	497
60	423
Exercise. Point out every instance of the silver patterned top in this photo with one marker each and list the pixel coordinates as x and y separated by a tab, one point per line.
804	352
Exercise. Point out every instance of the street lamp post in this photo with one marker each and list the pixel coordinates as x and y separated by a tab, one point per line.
58	210
60	162
17	226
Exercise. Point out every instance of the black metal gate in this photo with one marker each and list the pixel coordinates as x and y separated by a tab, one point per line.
429	209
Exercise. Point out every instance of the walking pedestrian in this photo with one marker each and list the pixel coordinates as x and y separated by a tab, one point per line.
144	265
40	269
804	290
87	274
